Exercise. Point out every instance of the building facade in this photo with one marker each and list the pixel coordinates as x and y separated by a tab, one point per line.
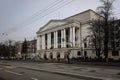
114	51
31	46
18	46
71	36
67	36
31	49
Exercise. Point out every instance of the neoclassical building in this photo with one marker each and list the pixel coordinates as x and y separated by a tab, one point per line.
69	35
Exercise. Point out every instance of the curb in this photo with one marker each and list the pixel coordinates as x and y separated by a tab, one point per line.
66	74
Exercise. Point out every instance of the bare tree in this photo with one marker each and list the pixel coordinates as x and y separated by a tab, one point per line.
7	49
105	10
103	29
97	36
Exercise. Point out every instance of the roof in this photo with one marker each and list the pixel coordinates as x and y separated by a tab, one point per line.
52	24
84	16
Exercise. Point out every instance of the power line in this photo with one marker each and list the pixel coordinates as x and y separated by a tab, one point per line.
48	7
51	9
34	15
16	28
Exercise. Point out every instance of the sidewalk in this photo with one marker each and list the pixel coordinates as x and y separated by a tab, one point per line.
83	72
77	62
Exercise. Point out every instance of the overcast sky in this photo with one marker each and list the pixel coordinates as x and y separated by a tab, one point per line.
22	18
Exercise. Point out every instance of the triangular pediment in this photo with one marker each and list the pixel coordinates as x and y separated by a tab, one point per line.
52	24
82	17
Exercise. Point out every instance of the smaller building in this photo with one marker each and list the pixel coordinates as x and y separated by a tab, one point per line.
31	48
115	40
18	45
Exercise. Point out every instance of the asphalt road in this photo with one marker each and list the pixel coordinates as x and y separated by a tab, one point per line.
22	70
15	73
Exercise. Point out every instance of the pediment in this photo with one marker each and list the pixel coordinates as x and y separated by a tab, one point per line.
52	24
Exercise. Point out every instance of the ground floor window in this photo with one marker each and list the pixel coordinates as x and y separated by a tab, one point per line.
58	55
85	53
115	53
85	45
45	56
51	55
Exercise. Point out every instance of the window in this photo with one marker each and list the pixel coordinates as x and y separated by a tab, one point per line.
85	45
59	46
68	46
85	53
51	55
78	53
67	34
52	38
51	47
45	41
115	53
45	56
58	55
117	44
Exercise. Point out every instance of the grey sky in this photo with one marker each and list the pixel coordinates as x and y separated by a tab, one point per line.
15	12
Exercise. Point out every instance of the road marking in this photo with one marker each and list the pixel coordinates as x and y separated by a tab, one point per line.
34	78
9	67
13	72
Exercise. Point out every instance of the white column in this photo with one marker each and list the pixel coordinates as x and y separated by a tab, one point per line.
54	39
38	43
43	41
49	40
79	39
73	36
64	36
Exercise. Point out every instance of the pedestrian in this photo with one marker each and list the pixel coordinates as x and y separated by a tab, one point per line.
68	59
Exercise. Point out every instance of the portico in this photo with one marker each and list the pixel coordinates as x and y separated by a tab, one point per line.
57	38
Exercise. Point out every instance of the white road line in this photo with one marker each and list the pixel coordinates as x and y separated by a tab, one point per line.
34	78
13	72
